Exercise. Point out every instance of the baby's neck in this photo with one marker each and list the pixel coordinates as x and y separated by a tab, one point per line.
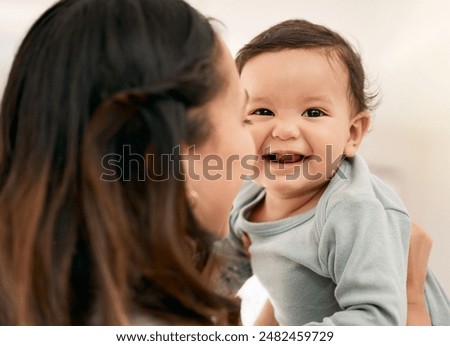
274	207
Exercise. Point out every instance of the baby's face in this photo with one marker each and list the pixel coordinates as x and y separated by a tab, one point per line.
301	117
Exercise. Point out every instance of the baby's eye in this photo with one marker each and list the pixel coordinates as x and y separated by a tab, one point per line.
313	113
263	112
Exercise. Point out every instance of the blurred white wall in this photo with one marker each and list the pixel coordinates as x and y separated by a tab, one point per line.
405	45
15	19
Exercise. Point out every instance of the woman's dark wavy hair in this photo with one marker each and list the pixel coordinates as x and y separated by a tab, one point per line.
301	34
91	78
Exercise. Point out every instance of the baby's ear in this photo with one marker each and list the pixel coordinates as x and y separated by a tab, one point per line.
359	125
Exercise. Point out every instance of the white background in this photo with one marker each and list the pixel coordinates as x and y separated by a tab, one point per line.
405	45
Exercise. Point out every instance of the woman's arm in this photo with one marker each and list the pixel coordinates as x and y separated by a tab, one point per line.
419	253
266	316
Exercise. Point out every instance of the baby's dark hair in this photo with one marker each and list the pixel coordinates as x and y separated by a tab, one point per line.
296	33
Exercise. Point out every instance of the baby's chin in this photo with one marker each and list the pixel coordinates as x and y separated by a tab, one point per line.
292	185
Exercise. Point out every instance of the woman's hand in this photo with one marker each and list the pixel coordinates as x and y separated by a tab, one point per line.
246	242
419	253
266	316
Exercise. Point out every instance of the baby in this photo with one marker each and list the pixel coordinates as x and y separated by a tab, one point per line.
329	241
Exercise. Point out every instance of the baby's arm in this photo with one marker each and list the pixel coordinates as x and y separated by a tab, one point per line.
237	268
419	252
236	258
363	248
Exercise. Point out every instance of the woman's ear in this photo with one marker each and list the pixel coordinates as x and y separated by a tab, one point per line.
191	193
359	126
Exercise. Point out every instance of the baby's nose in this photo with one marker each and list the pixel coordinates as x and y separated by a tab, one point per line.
285	130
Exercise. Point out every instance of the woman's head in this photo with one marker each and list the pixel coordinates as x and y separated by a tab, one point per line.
301	34
91	78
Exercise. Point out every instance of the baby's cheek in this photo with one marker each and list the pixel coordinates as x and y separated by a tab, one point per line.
258	135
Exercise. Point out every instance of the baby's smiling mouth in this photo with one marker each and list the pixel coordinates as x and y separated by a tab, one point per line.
283	157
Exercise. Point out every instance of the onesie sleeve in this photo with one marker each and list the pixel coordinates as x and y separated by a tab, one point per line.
236	267
364	248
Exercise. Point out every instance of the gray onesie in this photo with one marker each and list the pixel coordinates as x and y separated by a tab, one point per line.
342	263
